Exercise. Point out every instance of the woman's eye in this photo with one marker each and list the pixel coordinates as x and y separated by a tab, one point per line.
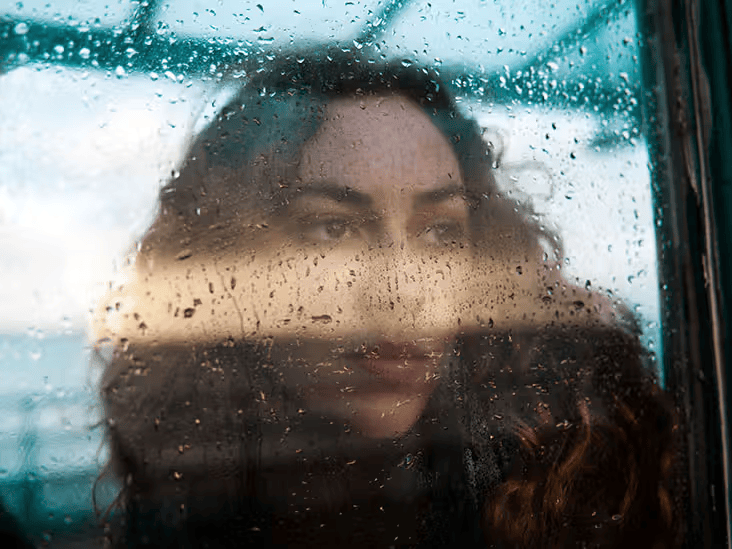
331	229
444	233
335	230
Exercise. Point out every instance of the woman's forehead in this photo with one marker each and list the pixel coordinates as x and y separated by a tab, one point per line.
375	137
377	115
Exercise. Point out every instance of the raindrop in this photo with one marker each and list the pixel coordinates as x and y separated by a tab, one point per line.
84	53
20	29
324	319
120	72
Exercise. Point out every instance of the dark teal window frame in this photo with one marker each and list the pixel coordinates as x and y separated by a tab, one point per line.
687	98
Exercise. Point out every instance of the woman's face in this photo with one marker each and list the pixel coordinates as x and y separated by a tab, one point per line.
358	286
380	188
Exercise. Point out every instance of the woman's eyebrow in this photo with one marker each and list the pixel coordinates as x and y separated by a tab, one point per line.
336	192
441	194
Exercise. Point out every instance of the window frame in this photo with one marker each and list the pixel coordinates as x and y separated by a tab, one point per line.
683	111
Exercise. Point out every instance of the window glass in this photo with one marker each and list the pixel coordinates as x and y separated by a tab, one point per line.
84	15
352	272
279	23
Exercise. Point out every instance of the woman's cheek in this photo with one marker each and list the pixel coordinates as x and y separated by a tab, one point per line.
308	293
293	290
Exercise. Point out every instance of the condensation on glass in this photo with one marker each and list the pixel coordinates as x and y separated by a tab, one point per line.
377	274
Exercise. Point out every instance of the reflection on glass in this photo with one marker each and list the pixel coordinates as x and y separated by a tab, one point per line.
338	331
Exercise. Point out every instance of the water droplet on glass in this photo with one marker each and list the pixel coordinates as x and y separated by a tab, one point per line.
20	29
84	53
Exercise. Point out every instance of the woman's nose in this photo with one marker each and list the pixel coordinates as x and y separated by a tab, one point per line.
406	293
392	299
392	234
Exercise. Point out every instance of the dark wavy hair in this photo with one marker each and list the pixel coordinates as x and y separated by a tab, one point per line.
564	437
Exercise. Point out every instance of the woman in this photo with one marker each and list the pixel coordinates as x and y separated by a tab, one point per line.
338	331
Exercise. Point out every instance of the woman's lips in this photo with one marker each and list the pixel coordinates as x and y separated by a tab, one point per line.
364	374
397	363
397	371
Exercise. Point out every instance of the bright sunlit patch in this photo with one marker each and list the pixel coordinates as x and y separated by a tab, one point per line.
77	192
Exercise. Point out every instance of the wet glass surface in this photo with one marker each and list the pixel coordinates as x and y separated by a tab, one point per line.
385	278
